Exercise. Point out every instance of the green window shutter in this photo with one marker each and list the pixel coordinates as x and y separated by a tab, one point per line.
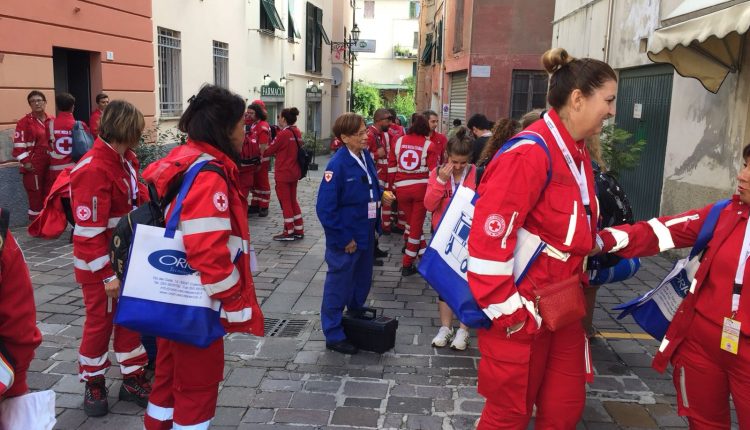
273	16
293	31
427	53
323	34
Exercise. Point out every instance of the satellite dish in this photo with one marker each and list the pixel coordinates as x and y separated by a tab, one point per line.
338	76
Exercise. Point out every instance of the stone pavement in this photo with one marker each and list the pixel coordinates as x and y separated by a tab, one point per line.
289	380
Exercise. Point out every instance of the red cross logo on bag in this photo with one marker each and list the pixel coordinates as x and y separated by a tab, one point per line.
409	160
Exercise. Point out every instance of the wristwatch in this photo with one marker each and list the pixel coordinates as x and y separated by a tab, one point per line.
110	279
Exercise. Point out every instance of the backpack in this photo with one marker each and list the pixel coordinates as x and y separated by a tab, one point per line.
82	141
4	223
304	157
149	213
614	209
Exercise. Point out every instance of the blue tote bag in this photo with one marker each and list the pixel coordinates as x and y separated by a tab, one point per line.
654	310
161	294
445	261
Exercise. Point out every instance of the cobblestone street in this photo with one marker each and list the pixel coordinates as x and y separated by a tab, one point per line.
289	380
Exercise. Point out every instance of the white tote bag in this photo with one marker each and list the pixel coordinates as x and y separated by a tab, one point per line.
32	411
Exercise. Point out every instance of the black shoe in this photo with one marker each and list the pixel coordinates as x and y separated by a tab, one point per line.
95	397
377	263
403	249
263	212
379	253
397	230
283	237
299	236
136	389
343	347
408	270
252	210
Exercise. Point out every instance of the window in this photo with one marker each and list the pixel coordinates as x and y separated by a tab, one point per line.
416	40
269	17
369	9
315	36
221	64
458	27
439	43
414	9
293	32
427	53
170	72
528	92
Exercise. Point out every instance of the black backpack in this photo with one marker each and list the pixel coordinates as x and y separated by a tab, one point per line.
304	157
149	213
614	209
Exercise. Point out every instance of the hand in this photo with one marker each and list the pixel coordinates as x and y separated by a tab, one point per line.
445	171
595	251
112	288
515	328
388	198
28	166
351	247
381	153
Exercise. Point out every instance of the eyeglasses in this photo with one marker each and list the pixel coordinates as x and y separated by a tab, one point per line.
36	101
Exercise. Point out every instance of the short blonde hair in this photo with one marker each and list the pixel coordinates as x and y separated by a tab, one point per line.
347	124
121	122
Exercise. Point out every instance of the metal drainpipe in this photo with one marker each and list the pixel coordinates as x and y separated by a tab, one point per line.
442	61
608	34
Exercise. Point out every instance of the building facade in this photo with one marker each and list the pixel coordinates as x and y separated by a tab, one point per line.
482	56
694	137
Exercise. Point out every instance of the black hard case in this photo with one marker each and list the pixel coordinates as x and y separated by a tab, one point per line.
370	332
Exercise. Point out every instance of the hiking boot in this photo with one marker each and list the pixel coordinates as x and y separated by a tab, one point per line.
379	253
408	270
344	347
263	212
95	397
283	237
460	340
443	336
136	389
252	210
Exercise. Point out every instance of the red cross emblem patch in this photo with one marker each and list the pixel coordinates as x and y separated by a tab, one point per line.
494	226
328	175
64	145
220	201
409	160
83	213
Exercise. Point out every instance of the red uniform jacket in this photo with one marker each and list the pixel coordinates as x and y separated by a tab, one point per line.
51	222
61	142
94	119
285	147
711	292
441	145
410	162
216	234
378	139
396	131
19	336
261	132
513	195
104	186
31	139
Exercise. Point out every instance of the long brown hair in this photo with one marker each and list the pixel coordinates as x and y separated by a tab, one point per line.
503	130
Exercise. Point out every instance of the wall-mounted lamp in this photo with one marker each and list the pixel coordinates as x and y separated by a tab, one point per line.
282	80
266	78
309	82
321	84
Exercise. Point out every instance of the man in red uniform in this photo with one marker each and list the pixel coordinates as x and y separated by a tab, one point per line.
396	130
438	139
61	141
249	156
102	100
31	149
261	185
409	165
19	335
379	144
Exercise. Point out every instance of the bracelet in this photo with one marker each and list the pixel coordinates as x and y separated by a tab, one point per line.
110	279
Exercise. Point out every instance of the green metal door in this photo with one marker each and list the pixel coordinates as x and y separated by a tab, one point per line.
645	92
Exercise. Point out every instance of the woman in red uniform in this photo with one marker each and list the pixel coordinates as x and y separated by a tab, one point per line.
104	186
410	161
287	173
706	369
545	193
216	238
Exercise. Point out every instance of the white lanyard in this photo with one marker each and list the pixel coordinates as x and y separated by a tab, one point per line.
367	172
578	175
739	276
454	185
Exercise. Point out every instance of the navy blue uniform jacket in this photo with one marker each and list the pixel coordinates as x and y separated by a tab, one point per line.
342	201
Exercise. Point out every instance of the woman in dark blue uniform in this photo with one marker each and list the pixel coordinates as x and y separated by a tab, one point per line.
349	209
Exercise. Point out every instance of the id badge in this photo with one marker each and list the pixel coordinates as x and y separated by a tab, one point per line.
730	335
372	210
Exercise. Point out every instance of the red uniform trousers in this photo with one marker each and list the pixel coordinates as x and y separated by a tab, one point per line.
36	182
261	186
287	195
385	209
705	375
545	369
186	385
97	330
411	201
247	180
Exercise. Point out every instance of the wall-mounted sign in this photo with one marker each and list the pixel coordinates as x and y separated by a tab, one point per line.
364	45
637	110
478	71
272	92
313	93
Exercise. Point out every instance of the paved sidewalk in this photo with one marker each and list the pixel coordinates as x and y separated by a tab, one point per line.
289	380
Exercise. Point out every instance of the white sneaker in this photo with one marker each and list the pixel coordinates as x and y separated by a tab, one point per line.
460	340
444	335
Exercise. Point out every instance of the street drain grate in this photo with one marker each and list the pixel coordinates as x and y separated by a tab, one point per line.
280	327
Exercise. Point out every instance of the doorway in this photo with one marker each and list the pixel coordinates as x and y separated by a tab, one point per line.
72	72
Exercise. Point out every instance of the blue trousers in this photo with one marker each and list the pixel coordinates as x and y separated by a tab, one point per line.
347	284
